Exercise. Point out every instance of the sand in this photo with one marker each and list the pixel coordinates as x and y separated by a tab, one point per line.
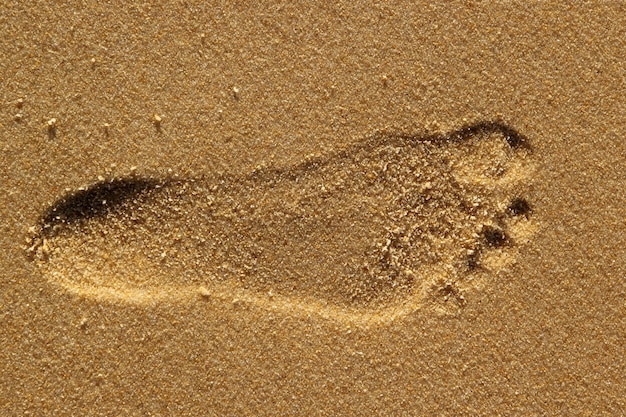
351	209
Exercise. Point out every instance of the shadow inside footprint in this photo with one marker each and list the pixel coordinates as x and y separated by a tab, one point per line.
370	226
97	201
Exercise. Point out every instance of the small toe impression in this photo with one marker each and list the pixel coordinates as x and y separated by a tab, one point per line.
494	236
519	207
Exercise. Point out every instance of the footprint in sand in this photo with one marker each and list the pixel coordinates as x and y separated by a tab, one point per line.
377	228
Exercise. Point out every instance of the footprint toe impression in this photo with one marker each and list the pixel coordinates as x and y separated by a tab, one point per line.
385	224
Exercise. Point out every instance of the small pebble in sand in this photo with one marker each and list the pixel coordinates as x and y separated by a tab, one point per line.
19	103
52	127
18	117
236	92
204	292
107	128
157	121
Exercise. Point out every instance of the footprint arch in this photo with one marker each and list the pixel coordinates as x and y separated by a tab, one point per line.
367	233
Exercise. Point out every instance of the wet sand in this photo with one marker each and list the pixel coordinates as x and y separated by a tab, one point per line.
357	209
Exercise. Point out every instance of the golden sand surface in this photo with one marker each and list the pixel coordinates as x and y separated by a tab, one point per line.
395	209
